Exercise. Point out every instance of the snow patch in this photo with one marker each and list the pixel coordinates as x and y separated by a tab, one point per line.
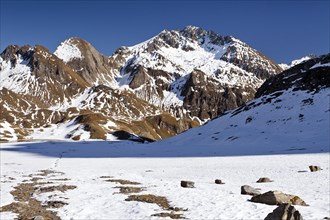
68	51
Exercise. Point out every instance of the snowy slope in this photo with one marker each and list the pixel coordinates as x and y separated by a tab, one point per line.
291	122
68	51
290	113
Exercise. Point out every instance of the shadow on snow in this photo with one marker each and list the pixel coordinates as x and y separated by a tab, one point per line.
122	149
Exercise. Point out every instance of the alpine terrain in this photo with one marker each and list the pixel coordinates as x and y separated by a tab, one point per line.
198	126
172	82
266	159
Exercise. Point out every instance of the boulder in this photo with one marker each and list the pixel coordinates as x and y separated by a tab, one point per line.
264	180
217	181
249	190
278	198
314	168
187	184
284	212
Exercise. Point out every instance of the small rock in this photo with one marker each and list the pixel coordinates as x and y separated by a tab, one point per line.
38	217
264	180
314	168
249	190
217	181
278	198
284	211
187	184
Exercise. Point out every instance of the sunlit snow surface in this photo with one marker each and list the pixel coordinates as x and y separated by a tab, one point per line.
68	51
160	171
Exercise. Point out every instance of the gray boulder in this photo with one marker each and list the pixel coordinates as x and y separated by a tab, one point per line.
284	212
278	198
187	184
249	190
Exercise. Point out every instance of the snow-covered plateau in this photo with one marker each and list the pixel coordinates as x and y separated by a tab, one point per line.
90	165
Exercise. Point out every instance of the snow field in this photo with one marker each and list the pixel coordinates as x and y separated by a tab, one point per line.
95	198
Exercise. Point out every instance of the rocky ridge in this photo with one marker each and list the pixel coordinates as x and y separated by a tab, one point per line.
175	81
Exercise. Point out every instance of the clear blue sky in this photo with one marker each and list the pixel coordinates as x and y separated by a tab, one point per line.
282	30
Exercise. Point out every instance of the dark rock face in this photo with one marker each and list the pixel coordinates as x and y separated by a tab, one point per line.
206	99
94	67
284	212
277	198
51	76
299	77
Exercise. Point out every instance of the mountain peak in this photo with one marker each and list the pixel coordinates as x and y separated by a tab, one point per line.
68	50
192	28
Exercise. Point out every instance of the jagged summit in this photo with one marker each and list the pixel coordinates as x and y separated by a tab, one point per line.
68	50
162	69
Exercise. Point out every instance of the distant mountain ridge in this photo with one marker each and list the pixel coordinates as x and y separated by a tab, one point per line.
174	81
285	66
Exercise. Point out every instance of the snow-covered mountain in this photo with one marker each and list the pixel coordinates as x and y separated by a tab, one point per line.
174	81
193	72
285	66
291	113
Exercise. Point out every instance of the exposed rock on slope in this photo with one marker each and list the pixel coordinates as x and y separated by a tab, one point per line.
36	72
290	116
84	59
312	74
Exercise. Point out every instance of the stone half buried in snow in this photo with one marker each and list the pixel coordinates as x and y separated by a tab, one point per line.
217	181
314	168
249	190
187	184
278	198
264	180
286	212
